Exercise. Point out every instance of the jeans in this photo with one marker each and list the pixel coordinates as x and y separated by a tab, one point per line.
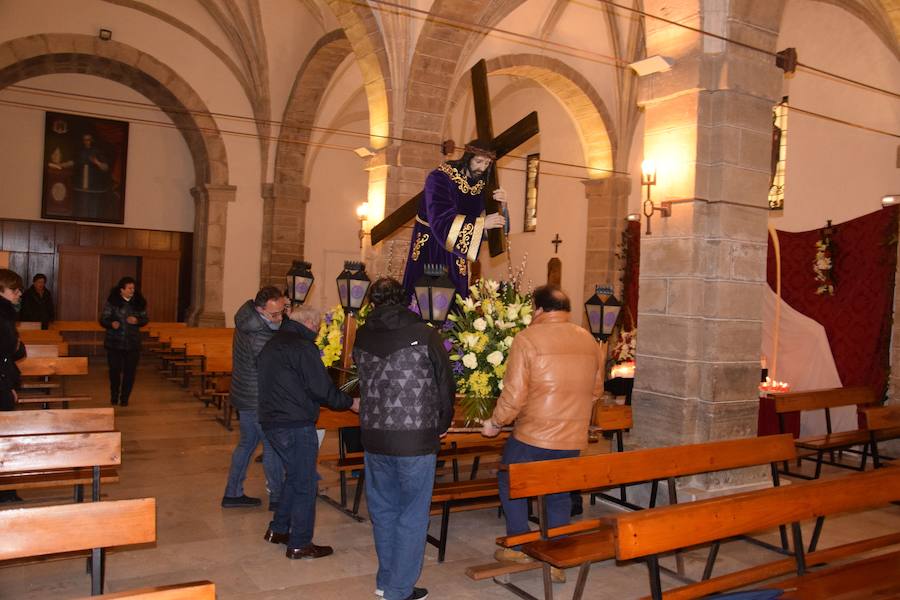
298	449
559	506
122	368
398	493
251	436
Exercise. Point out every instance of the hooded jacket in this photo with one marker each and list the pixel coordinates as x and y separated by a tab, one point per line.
117	308
293	382
36	307
251	332
10	349
406	383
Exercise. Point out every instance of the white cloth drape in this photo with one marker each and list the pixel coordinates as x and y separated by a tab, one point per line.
804	361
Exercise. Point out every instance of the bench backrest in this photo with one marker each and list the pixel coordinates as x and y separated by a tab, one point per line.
198	590
72	527
72	420
609	417
20	453
816	399
218	364
668	528
76	326
621	468
28	325
64	365
40	336
45	350
883	417
208	349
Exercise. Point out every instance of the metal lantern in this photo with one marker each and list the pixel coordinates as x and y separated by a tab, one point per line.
602	311
299	280
434	294
353	284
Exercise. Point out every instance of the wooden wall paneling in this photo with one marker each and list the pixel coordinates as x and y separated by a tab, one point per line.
18	262
114	267
41	237
115	237
160	240
139	239
66	234
159	285
77	291
90	236
41	262
15	236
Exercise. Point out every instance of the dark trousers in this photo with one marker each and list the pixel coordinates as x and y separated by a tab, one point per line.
559	506
122	368
298	449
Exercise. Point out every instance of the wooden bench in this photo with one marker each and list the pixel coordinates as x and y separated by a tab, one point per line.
60	459
28	325
43	369
538	479
830	442
198	590
47	350
94	526
882	423
648	534
615	420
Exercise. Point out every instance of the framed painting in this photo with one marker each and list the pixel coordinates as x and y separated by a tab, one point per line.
532	171
84	168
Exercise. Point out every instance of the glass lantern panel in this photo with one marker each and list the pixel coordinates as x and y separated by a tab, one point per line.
358	293
422	301
442	298
342	292
610	316
301	288
595	316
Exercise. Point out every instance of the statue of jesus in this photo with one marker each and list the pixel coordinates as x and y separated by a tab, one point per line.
450	222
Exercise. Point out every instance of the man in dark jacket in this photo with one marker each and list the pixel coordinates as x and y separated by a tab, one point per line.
407	391
124	313
37	303
254	324
293	383
11	350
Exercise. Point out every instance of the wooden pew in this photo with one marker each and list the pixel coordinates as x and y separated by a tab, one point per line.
28	325
883	423
91	526
830	442
75	420
198	590
538	479
45	368
648	534
40	336
47	350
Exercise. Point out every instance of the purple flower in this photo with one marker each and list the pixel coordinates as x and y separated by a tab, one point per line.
448	345
329	318
458	367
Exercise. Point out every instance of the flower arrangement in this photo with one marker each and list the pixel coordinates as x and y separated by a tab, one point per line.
331	333
481	335
624	349
823	265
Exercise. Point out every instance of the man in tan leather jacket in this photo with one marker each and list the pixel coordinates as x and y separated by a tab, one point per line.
553	376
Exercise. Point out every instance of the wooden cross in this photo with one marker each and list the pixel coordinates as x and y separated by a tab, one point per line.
502	145
556	242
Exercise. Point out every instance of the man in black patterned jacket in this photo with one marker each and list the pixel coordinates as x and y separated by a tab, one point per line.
407	390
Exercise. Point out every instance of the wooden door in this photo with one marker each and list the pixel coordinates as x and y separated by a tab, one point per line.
112	269
159	285
78	288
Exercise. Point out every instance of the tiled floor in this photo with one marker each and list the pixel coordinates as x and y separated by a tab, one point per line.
177	452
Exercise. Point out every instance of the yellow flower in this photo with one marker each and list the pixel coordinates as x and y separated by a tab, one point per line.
482	342
500	371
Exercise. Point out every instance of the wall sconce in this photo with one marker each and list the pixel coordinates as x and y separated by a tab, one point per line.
890	200
648	179
362	213
633	218
105	35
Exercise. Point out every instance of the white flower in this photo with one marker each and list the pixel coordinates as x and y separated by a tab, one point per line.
492	286
500	385
507	341
470	361
479	324
488	307
469	339
526	320
468	305
512	311
495	358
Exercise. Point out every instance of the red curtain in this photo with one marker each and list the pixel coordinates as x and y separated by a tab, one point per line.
631	275
858	317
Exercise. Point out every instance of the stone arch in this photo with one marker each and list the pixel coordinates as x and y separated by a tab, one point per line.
285	203
46	54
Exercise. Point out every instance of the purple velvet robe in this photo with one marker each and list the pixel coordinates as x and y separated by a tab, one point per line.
448	228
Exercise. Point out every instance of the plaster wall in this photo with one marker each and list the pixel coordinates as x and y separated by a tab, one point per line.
160	170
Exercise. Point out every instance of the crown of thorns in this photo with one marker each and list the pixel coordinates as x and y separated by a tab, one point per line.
477	151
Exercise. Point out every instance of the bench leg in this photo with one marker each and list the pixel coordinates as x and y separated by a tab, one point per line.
865	457
79	493
817	531
445	524
654	490
876	459
653	572
711	561
360	485
798	548
548	583
97	568
818	464
475	463
583	571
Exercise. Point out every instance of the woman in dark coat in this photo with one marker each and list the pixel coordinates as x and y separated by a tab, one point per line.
37	303
11	350
124	313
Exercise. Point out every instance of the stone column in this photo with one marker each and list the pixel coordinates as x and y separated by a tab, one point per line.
210	228
284	223
383	196
708	127
607	208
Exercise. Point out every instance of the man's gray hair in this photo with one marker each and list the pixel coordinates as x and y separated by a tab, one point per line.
307	314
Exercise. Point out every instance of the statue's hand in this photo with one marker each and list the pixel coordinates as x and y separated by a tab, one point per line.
494	221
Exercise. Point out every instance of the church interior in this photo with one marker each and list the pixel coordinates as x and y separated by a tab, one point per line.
724	173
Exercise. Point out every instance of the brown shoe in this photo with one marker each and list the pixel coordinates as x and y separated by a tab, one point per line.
276	538
510	555
309	551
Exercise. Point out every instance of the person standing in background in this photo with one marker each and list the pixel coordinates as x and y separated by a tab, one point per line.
11	350
124	313
37	303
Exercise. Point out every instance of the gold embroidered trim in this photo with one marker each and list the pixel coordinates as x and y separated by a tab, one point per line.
421	238
460	180
455	228
465	238
462	266
472	253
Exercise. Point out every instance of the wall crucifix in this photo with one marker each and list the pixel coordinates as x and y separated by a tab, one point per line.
556	242
500	145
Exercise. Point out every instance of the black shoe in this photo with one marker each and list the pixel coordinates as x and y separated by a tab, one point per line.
418	594
276	538
240	501
9	496
123	402
309	551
